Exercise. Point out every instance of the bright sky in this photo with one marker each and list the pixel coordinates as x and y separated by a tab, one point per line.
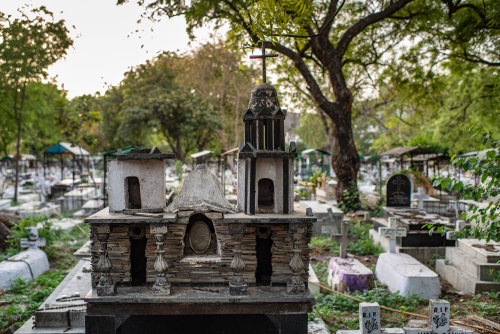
101	51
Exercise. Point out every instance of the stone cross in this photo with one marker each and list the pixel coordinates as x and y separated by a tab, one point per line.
33	240
332	224
459	225
263	56
439	320
421	196
392	232
344	238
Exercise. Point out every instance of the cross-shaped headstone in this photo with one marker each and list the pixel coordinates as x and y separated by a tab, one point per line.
41	184
331	225
439	320
32	240
392	232
344	238
421	196
263	56
452	235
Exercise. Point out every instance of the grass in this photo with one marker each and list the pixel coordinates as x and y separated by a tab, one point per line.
25	296
364	246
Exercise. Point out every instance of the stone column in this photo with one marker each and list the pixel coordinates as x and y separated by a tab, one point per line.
106	287
295	285
161	286
237	285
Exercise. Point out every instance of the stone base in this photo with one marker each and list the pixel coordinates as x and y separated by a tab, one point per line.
383	331
238	290
213	323
453	330
295	288
161	290
422	254
349	275
403	273
106	290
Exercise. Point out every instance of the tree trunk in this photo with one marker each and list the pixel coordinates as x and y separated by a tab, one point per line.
178	150
18	156
345	162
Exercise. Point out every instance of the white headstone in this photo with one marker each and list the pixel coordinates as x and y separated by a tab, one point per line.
369	318
33	240
421	196
452	235
392	232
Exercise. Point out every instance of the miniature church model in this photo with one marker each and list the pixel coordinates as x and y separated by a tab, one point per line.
240	269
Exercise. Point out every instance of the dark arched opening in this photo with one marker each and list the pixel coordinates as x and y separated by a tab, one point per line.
133	192
266	195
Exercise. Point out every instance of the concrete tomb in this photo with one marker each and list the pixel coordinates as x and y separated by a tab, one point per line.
369	321
347	273
467	267
216	268
403	273
439	320
417	242
329	217
27	264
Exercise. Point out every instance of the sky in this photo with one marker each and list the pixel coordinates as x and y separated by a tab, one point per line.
102	52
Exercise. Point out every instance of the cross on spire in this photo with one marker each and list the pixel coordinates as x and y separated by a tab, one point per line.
263	56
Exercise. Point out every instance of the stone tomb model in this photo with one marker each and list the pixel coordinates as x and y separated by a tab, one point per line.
202	265
401	272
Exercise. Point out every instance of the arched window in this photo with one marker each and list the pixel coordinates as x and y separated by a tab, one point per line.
132	193
200	236
266	195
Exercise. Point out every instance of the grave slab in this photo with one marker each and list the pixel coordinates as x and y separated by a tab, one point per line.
28	264
328	216
403	273
349	273
467	266
64	310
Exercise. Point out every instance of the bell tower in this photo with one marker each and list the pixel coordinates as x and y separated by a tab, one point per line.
265	169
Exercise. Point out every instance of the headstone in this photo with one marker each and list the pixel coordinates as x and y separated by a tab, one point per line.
398	192
392	232
421	196
439	320
33	240
369	321
41	185
348	274
452	235
331	223
344	238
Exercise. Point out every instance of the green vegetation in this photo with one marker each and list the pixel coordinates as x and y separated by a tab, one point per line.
25	296
364	246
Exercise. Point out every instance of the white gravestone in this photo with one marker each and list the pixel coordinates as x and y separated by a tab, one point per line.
439	320
392	232
331	223
33	240
452	235
421	196
369	321
344	238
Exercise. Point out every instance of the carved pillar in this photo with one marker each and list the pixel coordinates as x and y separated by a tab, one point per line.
106	287
237	285
161	286
295	284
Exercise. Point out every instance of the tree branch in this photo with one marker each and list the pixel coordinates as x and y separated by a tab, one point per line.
353	31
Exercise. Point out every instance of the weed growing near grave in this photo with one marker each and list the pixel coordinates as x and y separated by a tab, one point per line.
25	296
364	246
350	200
432	260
